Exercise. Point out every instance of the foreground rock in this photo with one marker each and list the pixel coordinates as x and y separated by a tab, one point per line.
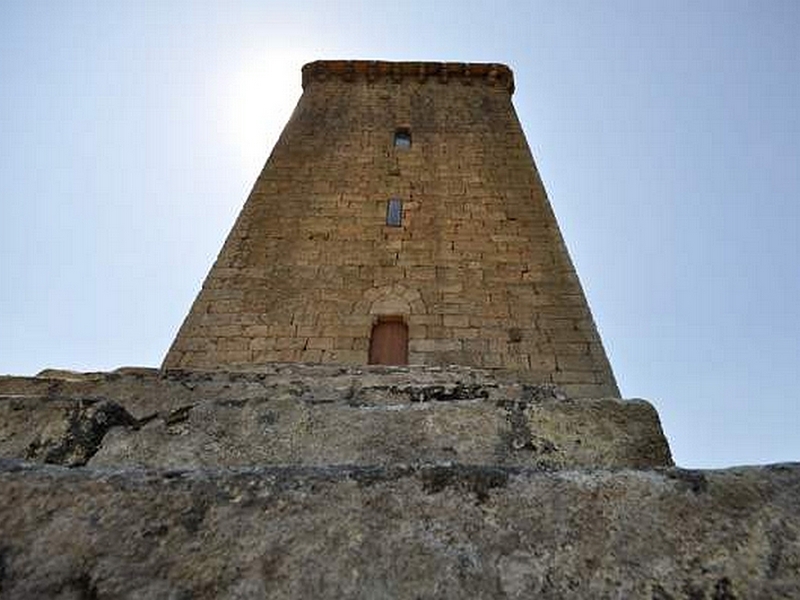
302	481
319	415
398	532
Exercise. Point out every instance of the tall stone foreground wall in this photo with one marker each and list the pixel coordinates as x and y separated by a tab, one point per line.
319	481
312	415
412	532
478	270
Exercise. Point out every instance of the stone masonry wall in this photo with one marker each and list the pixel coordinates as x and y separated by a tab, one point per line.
478	270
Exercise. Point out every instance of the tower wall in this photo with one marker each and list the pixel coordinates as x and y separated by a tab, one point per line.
478	271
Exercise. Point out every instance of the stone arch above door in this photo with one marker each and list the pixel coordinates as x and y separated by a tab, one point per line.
394	299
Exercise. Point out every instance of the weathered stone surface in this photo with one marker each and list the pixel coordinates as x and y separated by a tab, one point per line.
75	437
315	415
144	390
283	430
302	481
399	532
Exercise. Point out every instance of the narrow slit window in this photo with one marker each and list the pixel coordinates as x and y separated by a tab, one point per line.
394	212
402	138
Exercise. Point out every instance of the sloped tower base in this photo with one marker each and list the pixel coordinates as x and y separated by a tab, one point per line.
263	483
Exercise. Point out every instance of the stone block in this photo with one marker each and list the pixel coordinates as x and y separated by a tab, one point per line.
455	320
400	531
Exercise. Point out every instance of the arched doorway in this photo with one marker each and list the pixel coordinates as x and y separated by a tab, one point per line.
388	344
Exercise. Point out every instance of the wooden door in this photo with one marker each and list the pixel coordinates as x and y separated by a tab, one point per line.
389	343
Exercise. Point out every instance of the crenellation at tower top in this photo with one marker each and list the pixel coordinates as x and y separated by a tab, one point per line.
373	71
399	221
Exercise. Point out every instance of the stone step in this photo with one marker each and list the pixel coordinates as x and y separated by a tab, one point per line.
398	532
144	390
320	415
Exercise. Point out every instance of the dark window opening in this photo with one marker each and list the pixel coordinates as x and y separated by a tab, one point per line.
402	138
394	213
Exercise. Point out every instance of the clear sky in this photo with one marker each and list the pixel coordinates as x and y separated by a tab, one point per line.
667	135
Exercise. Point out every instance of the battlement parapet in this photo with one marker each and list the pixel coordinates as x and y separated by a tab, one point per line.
493	74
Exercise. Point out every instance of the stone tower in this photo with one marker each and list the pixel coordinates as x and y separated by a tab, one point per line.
399	219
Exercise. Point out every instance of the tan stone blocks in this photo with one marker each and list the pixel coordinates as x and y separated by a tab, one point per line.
451	320
565	335
346	357
343	343
553	324
232	357
495	309
446	345
542	362
320	343
361	343
313	355
224	306
454	308
465	333
572	377
263	356
222	331
282	330
502	275
414	258
289	343
288	354
422	319
498	345
421	345
515	361
200	344
420	358
455	288
572	348
305	331
561	311
256	331
262	343
353	331
486	323
357	320
416	330
576	362
420	273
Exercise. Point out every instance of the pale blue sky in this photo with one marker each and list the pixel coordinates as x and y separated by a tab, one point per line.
667	135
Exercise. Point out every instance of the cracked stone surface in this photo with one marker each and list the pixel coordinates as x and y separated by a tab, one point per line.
306	415
398	532
302	481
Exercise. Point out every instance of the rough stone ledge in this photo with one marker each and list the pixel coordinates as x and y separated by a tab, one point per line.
317	415
430	531
139	385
